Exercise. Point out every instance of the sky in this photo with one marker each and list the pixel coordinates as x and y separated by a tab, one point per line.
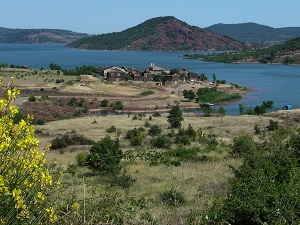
105	16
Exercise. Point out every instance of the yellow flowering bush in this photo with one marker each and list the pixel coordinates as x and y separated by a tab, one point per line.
26	184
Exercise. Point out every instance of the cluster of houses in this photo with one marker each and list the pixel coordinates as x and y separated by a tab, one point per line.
151	73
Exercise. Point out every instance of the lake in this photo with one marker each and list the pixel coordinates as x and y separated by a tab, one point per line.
279	83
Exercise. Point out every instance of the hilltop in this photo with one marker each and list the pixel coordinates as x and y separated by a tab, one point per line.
39	36
255	33
158	34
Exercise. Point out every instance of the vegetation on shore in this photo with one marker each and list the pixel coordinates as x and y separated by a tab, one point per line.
158	170
286	53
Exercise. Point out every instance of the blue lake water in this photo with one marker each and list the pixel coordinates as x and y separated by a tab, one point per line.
279	83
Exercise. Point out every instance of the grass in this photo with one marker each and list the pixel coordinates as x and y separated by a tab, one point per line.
198	181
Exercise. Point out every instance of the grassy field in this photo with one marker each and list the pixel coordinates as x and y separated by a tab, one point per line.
199	182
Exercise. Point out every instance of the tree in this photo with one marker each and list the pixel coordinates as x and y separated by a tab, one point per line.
105	156
222	111
25	181
175	117
242	109
189	94
214	77
202	77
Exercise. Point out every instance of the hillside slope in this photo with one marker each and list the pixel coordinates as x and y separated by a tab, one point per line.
255	33
40	36
158	34
286	53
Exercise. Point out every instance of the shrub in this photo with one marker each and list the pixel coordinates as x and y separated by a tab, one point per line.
40	121
244	144
81	158
44	97
149	92
123	181
172	197
67	140
32	99
118	105
161	141
104	103
26	183
154	130
105	156
111	129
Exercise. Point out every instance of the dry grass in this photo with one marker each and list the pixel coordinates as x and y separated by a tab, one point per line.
198	182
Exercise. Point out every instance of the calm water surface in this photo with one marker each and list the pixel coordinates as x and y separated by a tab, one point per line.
279	83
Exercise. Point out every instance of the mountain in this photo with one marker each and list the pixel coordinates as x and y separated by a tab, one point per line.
40	36
158	34
286	53
255	33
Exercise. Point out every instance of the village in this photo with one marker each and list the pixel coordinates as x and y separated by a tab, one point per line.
162	76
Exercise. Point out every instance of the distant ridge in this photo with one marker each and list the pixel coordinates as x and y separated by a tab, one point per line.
159	34
255	33
39	36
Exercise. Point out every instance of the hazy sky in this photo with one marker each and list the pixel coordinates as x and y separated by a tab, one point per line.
104	16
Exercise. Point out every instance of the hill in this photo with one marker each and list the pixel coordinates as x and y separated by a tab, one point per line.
286	53
255	33
158	34
39	36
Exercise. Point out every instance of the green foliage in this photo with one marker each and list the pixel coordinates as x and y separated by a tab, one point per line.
104	103
149	92
80	70
111	129
44	97
124	181
243	144
39	121
136	138
264	55
154	130
172	197
265	188
67	140
212	95
241	108
105	156
175	117
161	141
81	158
32	99
54	66
118	105
189	94
273	125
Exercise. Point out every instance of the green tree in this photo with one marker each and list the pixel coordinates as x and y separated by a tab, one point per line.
105	156
189	94
214	77
175	117
242	109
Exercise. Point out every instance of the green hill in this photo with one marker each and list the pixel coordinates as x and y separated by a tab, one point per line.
255	33
158	34
40	36
286	53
